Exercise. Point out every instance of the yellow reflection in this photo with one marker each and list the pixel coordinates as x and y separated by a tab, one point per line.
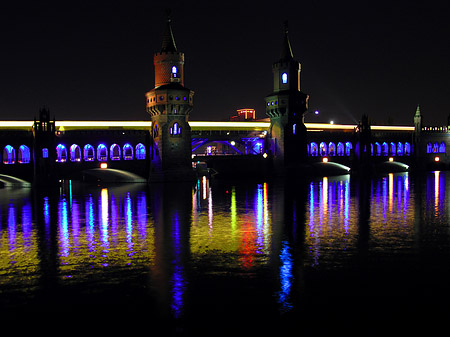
204	187
325	195
391	192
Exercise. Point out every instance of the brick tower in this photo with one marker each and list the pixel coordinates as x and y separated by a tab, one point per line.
169	105
286	107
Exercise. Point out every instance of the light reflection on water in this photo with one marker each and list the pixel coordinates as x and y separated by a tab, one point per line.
266	233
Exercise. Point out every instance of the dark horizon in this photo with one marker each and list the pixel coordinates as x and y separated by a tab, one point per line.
95	61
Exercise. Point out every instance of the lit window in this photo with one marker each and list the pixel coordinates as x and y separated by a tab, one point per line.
88	153
393	149
175	129
442	148
61	153
140	151
24	154
399	149
385	149
115	152
429	147
102	152
436	148
293	128
377	149
75	153
284	78
45	153
127	152
174	70
9	155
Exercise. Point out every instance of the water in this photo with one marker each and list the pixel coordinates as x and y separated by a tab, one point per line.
334	254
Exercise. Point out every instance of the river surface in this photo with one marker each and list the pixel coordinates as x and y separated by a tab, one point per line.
334	254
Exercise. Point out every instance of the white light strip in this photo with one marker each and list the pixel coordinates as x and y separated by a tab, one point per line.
103	124
262	125
15	124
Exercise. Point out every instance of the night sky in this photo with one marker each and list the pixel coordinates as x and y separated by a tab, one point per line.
91	60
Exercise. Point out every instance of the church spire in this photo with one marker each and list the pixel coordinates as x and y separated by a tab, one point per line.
168	44
286	51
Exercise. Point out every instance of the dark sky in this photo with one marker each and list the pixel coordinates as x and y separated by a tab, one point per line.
94	60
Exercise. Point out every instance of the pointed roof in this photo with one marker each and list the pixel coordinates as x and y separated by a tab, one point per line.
168	43
286	51
418	110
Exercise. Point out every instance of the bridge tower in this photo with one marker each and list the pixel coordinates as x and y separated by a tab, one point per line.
44	148
286	107
169	104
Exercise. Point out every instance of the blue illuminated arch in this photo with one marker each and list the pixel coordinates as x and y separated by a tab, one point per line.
331	149
399	149
23	156
442	148
407	149
114	152
377	149
127	152
314	149
175	130
393	149
385	149
75	153
323	149
61	153
284	78
435	148
9	155
340	149
348	148
88	153
429	148
102	152
140	151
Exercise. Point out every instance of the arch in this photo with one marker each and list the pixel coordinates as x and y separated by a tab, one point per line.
88	153
127	152
102	152
75	153
175	129
114	152
331	149
407	149
23	157
429	148
294	126
323	149
377	149
61	153
435	148
385	149
314	149
399	149
348	148
392	149
340	149
442	148
9	155
140	151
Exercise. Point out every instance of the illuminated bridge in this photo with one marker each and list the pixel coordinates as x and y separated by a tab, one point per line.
121	150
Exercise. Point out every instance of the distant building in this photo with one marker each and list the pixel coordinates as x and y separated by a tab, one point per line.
243	114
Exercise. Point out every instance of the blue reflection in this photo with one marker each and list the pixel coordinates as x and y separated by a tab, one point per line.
285	277
129	223
12	227
27	222
178	282
90	216
63	227
141	212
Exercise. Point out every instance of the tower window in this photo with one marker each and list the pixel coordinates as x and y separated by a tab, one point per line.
284	78
174	70
293	128
175	129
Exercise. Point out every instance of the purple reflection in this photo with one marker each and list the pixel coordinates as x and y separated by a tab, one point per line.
12	228
27	222
178	282
285	277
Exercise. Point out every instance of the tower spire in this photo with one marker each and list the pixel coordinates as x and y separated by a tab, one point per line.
168	43
286	51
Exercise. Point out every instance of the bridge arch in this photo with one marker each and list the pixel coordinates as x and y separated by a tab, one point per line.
127	152
114	151
140	151
75	153
88	153
61	153
23	156
9	155
102	152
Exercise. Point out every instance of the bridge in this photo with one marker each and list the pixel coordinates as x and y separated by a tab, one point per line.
112	151
170	147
